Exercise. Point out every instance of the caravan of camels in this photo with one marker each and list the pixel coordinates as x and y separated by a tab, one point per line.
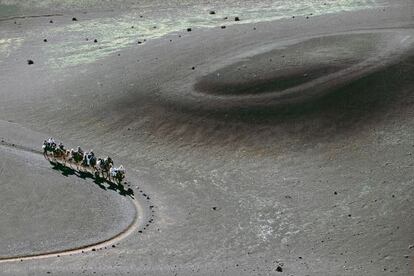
84	161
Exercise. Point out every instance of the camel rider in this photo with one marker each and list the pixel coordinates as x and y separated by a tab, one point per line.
113	171
89	156
51	142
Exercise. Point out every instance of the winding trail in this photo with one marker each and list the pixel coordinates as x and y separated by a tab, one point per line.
138	222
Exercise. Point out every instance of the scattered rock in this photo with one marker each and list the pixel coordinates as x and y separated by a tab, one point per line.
154	27
132	27
236	18
188	29
411	246
335	193
293	16
93	249
279	268
30	62
95	40
51	21
223	27
214	208
45	40
113	246
225	18
193	68
349	215
212	12
140	231
254	28
139	42
74	19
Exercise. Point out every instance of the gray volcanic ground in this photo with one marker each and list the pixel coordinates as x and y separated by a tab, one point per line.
282	147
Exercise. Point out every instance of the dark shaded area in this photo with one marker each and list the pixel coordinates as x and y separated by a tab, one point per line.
339	111
292	65
281	80
101	182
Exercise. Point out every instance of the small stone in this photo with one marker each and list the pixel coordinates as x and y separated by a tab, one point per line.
214	208
279	268
236	18
139	42
212	12
45	40
93	249
223	27
188	29
335	193
74	19
411	246
349	215
193	68
95	40
51	21
113	246
30	62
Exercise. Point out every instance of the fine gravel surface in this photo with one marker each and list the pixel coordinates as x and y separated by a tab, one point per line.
274	148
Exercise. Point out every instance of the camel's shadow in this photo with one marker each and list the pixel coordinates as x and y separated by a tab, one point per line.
102	183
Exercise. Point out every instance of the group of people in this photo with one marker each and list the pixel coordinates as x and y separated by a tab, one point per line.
101	167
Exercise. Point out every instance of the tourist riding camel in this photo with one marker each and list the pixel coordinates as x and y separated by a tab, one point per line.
85	160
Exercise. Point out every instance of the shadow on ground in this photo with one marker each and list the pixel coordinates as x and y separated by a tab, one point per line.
102	183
